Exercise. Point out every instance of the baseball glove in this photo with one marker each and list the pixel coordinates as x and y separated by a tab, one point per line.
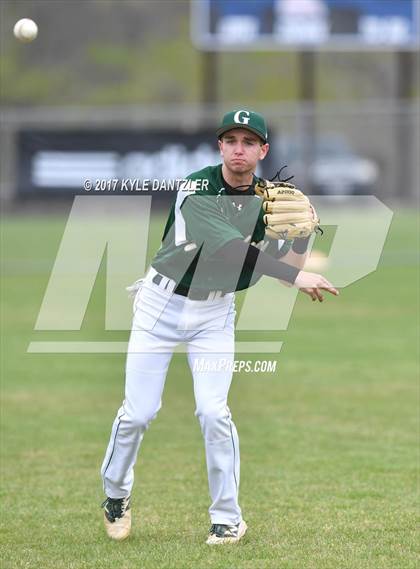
289	213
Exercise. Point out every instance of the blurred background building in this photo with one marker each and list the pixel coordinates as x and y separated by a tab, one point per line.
134	89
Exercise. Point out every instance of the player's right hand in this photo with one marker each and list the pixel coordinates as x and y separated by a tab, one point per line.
312	285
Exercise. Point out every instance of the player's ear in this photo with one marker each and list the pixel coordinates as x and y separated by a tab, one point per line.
264	148
219	142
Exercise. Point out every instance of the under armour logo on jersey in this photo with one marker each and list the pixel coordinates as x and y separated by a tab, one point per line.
237	205
241	119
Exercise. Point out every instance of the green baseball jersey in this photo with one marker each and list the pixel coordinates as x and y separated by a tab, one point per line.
205	216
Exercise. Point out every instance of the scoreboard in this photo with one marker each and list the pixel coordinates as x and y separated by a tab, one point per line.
305	24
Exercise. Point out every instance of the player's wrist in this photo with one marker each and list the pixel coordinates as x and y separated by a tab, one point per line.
300	245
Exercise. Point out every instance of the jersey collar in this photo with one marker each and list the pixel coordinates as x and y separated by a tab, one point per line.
230	191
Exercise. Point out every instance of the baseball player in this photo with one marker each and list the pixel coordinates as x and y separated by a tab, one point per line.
213	244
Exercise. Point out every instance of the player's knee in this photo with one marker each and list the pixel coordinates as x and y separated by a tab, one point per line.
214	422
141	420
139	416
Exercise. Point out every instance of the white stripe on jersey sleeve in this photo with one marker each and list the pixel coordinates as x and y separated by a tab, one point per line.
186	189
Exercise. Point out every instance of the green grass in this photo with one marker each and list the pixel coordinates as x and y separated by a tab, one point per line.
328	443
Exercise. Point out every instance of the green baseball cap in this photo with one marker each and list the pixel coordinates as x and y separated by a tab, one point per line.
243	118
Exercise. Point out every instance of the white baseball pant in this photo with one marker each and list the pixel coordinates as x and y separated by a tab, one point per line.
162	320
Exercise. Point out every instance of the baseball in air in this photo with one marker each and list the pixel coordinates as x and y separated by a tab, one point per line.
25	30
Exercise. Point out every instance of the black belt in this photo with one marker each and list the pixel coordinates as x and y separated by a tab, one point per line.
191	293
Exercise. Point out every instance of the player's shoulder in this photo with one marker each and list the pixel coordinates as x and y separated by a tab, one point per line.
205	181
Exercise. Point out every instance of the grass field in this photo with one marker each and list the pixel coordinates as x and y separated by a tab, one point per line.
328	443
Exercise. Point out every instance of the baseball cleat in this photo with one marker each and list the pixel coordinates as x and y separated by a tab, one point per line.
221	533
117	517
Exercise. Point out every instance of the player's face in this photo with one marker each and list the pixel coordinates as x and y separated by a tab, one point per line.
241	150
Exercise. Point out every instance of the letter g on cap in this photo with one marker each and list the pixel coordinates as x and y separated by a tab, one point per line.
241	119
